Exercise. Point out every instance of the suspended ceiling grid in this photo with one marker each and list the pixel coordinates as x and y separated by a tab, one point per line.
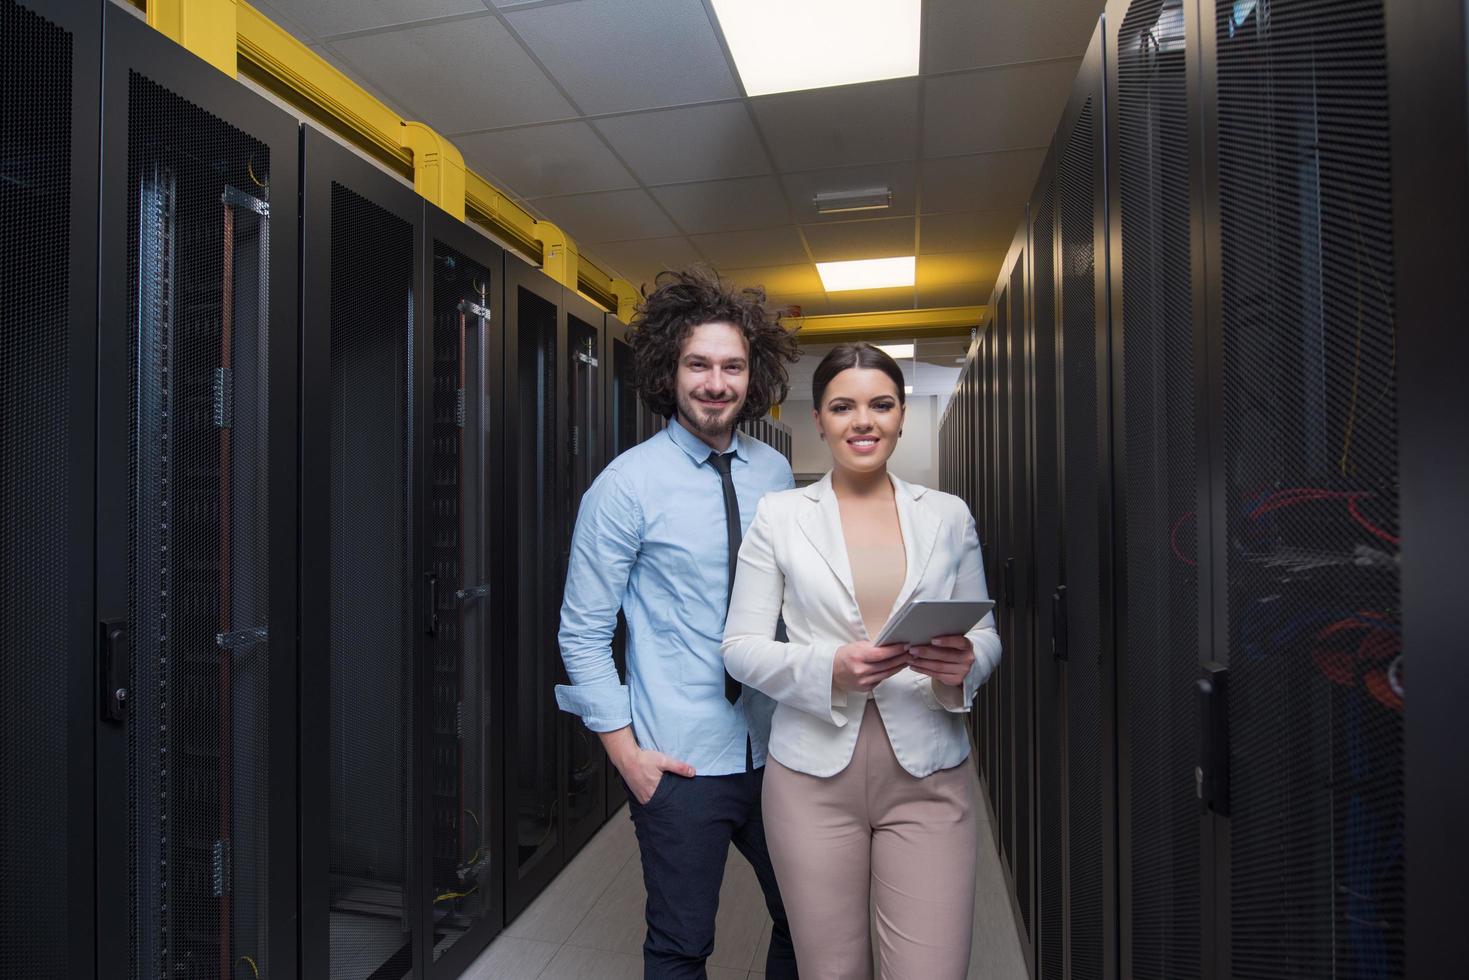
624	122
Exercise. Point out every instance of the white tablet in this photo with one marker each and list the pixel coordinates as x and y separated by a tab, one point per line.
923	619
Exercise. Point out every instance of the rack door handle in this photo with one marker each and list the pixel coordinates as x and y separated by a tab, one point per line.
116	651
1060	639
1211	776
1009	583
431	625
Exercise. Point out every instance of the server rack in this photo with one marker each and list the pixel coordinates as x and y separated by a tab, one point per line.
1225	388
535	343
365	607
196	517
464	541
50	89
628	423
584	764
1430	154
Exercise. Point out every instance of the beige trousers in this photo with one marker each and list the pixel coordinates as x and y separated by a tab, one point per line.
874	830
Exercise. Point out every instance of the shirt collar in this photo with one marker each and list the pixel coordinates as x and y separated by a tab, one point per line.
697	449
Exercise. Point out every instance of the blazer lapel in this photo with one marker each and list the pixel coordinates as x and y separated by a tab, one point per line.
822	526
920	533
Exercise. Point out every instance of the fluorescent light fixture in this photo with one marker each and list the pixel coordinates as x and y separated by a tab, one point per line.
790	45
841	202
896	351
907	389
867	273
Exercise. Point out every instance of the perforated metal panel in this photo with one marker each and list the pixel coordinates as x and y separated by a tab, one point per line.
1022	616
1161	532
1003	680
372	633
1310	443
35	491
198	251
1085	736
534	823
1048	696
456	535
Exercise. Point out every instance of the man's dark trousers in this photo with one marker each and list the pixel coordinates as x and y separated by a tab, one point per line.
684	832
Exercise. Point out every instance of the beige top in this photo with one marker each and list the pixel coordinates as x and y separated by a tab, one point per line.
877	575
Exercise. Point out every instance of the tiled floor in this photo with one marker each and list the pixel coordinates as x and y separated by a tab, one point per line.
588	925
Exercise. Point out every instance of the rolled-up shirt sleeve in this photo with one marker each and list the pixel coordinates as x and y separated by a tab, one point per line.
608	536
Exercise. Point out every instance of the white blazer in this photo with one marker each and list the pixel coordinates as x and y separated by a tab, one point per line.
793	563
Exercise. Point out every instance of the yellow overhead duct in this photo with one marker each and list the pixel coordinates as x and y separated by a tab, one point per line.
240	40
943	321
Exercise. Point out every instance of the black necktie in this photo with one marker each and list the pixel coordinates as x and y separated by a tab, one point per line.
732	530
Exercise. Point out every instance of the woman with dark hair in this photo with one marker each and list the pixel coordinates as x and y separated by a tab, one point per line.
869	790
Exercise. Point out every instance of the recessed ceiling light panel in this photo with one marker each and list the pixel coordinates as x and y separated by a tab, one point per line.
867	273
791	45
896	351
840	202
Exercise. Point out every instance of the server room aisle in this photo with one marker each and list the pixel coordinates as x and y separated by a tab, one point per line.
589	922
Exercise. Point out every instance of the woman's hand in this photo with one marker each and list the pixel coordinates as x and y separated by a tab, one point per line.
862	666
947	659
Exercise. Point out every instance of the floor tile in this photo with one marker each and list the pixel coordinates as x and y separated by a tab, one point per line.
557	912
617	922
578	963
742	915
508	958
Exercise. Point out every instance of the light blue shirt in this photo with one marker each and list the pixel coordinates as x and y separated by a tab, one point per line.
650	539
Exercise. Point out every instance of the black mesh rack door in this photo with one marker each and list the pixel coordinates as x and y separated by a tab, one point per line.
583	763
625	429
1158	531
49	92
1049	598
1312	615
538	505
1004	613
993	553
462	541
1088	741
195	450
363	402
1018	590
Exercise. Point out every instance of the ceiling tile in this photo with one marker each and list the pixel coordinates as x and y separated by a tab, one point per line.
464	75
967	294
811	304
725	205
866	300
779	281
321	18
1002	108
965	34
640	261
872	239
985	182
703	142
959	269
834	127
620	55
900	178
613	216
969	231
562	158
352	72
745	249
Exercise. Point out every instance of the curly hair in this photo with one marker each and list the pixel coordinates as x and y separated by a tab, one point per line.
681	301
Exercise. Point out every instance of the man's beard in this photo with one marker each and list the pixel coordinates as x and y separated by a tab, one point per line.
705	422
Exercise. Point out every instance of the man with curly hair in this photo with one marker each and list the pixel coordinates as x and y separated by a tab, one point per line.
657	537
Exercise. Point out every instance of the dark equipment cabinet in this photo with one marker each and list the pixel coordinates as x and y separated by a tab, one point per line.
464	539
196	517
1244	476
583	762
365	607
535	505
49	99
